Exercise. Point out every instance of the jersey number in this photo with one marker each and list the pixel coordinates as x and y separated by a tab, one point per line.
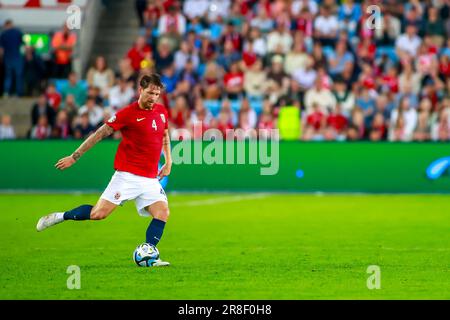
154	125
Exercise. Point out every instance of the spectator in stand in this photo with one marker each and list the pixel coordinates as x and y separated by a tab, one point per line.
229	56
262	22
184	54
200	114
344	97
338	59
440	130
224	123
170	79
10	43
349	14
314	124
231	34
246	126
356	128
305	78
172	26
403	129
321	96
120	95
226	108
252	117
33	72
389	31
100	76
164	57
6	129
94	112
435	26
278	81
255	80
422	132
382	106
234	82
378	128
94	92
126	71
408	43
84	128
259	44
336	124
195	8
212	81
366	103
179	113
62	128
152	13
53	96
409	78
63	45
42	108
75	88
139	52
366	51
42	129
279	41
71	107
297	58
326	27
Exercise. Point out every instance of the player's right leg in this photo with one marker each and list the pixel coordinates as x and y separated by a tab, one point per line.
117	191
100	211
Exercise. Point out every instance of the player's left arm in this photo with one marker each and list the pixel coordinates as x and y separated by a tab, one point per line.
165	170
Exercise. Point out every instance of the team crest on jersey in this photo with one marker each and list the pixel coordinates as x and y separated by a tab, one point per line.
117	195
112	119
163	118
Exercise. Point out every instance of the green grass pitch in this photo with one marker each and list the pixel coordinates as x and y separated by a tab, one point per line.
236	246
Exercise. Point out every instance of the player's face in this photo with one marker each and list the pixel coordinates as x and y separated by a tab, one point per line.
150	95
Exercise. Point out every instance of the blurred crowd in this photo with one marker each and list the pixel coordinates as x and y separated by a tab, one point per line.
316	70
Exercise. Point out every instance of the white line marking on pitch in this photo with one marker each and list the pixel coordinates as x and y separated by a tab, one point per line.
219	200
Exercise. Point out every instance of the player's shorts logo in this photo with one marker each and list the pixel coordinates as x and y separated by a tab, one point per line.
112	119
117	195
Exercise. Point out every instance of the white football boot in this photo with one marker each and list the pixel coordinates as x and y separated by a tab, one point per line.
49	220
160	263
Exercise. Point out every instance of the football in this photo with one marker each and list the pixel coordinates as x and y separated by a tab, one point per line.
145	255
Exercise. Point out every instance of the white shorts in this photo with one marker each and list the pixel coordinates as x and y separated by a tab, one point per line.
126	186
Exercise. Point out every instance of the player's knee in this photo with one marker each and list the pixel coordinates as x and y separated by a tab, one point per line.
162	214
99	214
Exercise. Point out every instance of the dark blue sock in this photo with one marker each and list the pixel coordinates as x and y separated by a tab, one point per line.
155	231
81	213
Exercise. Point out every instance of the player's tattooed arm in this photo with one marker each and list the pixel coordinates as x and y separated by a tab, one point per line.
98	135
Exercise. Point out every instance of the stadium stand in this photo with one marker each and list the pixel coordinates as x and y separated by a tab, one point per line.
317	70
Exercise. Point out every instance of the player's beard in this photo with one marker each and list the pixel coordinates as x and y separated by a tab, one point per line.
149	104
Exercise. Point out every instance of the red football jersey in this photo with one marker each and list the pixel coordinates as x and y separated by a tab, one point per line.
142	138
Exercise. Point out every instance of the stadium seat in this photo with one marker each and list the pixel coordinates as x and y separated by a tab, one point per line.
327	51
235	105
61	83
256	103
213	106
201	69
387	50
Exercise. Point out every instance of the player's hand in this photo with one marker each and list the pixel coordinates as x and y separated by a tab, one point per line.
65	163
164	171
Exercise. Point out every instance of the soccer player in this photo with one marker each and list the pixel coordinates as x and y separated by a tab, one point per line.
144	128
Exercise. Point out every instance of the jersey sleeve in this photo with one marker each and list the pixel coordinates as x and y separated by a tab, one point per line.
119	120
166	123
